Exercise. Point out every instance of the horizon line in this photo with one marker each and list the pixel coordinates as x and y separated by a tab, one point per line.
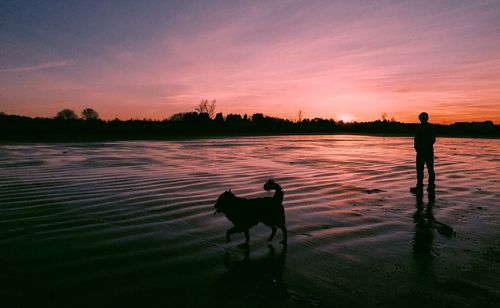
249	117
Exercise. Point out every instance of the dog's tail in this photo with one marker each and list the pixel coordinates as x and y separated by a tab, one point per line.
278	191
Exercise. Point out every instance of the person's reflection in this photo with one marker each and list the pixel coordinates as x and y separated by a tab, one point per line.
423	241
424	235
423	252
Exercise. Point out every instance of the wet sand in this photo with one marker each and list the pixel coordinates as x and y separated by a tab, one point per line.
130	223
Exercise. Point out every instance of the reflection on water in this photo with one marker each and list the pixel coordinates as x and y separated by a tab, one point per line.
423	240
425	223
424	235
258	279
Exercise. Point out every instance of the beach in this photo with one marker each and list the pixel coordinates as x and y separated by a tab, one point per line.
131	223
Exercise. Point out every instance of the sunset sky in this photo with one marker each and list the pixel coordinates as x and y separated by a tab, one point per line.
349	60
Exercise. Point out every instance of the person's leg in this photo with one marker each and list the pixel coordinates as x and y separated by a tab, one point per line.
419	189
420	170
430	169
431	188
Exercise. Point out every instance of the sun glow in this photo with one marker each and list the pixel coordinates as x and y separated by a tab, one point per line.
345	118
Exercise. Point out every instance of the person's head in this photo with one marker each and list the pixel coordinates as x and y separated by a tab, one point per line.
423	117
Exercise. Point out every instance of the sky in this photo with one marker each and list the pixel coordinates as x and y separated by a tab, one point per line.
346	60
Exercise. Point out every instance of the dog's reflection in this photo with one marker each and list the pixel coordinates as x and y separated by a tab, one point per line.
260	278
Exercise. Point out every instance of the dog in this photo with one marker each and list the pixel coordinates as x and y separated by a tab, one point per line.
246	213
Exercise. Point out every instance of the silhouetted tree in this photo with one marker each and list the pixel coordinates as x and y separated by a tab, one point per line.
89	114
206	107
219	118
204	117
177	116
66	114
257	117
233	118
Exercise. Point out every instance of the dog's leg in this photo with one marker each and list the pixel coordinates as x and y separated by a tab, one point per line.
229	232
270	238
285	235
247	236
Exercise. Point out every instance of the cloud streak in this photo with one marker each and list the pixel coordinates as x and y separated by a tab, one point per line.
36	67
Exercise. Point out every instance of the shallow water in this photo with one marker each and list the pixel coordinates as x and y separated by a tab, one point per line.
118	223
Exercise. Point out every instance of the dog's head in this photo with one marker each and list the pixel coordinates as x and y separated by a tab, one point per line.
223	201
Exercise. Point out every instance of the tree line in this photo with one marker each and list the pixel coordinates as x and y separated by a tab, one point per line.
68	126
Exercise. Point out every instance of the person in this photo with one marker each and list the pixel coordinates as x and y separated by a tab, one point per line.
424	146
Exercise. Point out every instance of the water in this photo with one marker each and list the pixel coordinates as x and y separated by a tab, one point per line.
131	222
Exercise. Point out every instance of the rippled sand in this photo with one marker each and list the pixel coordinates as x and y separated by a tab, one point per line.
130	223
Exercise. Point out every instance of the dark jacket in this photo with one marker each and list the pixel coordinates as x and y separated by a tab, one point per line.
424	138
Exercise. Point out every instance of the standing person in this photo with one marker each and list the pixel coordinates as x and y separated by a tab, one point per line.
424	145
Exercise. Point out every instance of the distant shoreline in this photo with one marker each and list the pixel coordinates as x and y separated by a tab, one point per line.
193	125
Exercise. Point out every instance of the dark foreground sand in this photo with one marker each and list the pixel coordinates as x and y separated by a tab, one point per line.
130	224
